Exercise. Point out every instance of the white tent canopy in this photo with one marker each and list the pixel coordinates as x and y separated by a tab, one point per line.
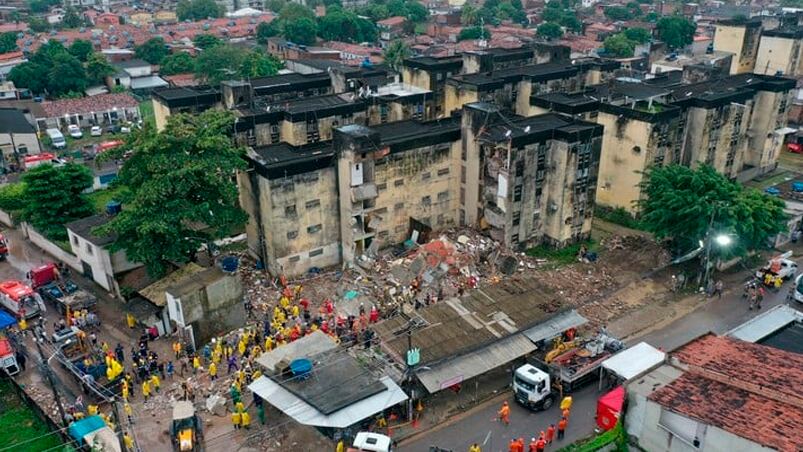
306	414
633	361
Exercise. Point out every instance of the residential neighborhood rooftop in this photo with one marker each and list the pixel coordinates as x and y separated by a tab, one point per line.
85	105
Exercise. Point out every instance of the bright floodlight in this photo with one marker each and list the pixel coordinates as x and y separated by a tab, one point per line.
723	240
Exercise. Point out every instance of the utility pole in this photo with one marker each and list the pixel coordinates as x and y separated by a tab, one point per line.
50	381
708	237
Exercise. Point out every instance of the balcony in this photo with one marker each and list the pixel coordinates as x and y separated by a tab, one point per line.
495	216
364	192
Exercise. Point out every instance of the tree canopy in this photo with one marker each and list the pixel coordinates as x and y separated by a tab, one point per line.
81	49
550	30
181	193
474	33
618	13
198	9
225	62
638	35
72	19
395	54
619	46
676	31
679	204
562	15
8	42
342	25
205	41
54	196
267	30
52	69
153	50
301	31
98	68
177	63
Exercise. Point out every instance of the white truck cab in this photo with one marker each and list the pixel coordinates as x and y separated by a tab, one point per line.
533	388
371	442
780	265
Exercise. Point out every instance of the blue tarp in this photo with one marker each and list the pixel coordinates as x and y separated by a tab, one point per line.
6	320
79	429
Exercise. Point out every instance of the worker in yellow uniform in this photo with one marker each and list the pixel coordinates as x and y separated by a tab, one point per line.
196	364
239	406
92	410
236	418
128	441
474	448
155	382
146	389
212	371
341	446
130	320
129	412
245	419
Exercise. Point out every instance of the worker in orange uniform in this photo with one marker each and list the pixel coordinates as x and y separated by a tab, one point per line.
562	427
514	445
532	445
504	413
550	433
540	445
475	448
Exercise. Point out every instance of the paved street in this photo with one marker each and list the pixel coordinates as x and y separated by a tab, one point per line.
717	315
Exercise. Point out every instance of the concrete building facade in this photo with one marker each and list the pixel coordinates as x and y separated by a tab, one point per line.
741	38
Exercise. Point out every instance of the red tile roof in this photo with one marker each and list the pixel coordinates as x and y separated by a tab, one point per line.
395	21
750	390
181	80
11	56
99	103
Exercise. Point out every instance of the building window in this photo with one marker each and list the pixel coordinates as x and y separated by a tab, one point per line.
398	206
291	235
443	171
317	252
426	200
514	239
516	218
314	228
462	196
313	204
398	182
75	240
443	196
426	176
290	211
520	168
463	174
382	186
294	259
517	193
89	249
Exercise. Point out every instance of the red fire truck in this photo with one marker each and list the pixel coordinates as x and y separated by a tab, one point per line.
19	299
3	247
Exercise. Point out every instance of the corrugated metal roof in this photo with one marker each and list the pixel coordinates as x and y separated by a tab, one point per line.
305	347
555	325
765	324
475	363
634	361
304	413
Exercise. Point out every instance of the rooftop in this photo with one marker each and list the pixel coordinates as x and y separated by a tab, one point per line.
396	90
409	134
525	130
135	63
433	63
183	96
196	281
788	338
13	120
155	292
86	105
278	160
83	228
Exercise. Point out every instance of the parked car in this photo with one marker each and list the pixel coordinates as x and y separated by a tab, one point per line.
113	128
75	131
96	131
56	138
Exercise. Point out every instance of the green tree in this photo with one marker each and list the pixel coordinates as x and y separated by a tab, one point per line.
619	46
473	33
638	35
294	11
257	64
177	63
181	191
469	15
66	74
375	11
153	50
98	68
651	16
38	24
225	62
54	196
267	30
81	49
676	31
416	12
275	5
205	41
301	31
71	19
30	75
617	13
198	10
8	41
680	204
550	30
340	25
395	54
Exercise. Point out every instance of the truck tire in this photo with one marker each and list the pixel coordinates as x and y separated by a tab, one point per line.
548	402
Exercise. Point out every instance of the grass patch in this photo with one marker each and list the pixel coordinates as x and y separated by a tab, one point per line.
99	198
146	110
614	437
619	216
19	423
560	256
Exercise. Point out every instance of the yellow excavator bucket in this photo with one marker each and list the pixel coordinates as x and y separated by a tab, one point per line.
185	439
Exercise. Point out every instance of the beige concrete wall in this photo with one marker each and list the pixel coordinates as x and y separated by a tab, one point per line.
620	166
416	77
764	146
738	40
778	54
161	112
524	90
455	97
715	136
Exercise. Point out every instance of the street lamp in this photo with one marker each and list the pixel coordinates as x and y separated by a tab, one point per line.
723	240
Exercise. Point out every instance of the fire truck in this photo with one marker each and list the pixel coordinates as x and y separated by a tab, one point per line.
19	299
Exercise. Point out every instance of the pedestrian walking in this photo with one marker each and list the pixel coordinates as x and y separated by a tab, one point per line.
128	441
718	289
759	297
532	447
513	446
212	371
562	427
169	369
20	359
550	433
146	389
119	353
504	413
232	361
236	418
540	445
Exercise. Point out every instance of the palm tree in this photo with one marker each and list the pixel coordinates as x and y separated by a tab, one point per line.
469	15
395	54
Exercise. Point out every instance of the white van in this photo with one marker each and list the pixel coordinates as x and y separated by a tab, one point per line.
56	138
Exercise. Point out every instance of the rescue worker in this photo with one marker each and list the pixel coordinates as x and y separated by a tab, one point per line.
341	446
212	371
565	413
155	382
562	427
550	433
196	364
533	446
92	410
177	349
474	448
239	406
245	419
540	445
128	441
128	412
146	389
504	413
513	446
130	320
125	390
236	418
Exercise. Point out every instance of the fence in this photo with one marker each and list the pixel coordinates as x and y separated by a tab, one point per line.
6	219
50	247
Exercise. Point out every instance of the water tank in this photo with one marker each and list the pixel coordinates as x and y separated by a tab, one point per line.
797	186
229	263
301	368
113	207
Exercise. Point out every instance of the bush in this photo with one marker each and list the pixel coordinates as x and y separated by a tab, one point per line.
559	256
11	197
619	216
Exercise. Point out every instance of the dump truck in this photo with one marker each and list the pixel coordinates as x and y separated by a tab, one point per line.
540	382
92	434
186	431
62	292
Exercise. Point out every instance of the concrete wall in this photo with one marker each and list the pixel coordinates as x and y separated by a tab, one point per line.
22	142
716	136
779	54
456	96
620	165
160	112
764	146
741	41
51	248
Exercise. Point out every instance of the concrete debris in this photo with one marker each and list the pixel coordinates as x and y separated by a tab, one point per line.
216	405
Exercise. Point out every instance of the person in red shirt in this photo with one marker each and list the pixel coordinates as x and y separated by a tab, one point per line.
562	427
550	433
504	414
540	445
514	446
533	445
